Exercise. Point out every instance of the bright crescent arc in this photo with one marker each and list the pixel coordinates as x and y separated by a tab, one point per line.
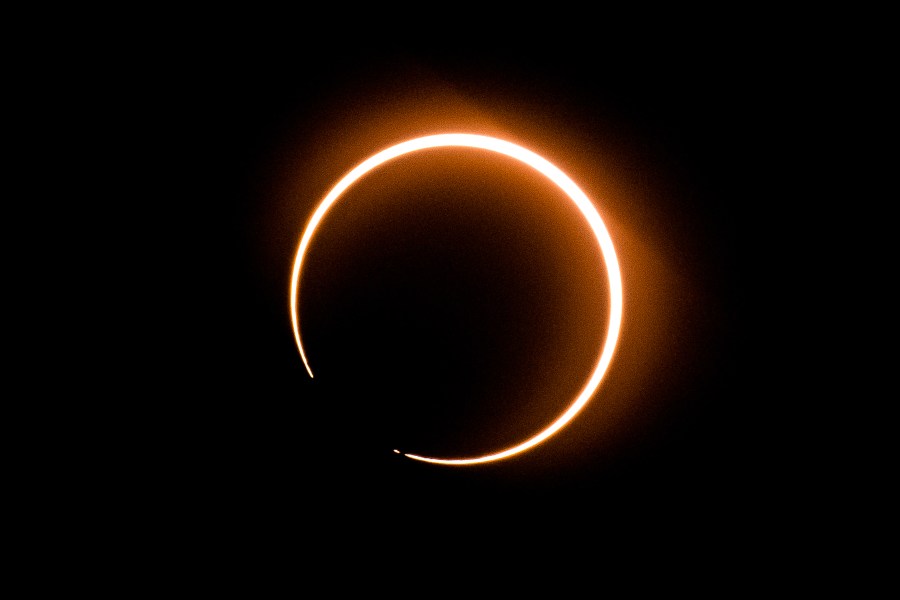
552	173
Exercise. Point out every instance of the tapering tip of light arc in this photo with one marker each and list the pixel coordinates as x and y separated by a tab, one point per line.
552	173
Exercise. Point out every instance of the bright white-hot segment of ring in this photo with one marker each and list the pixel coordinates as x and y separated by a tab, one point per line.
551	172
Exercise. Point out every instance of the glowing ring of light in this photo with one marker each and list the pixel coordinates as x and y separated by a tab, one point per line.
552	173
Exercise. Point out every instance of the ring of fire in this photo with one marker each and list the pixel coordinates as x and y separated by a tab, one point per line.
552	173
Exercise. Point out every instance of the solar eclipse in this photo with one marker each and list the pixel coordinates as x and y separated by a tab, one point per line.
468	142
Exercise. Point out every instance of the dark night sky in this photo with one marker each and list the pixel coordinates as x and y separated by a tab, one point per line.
665	132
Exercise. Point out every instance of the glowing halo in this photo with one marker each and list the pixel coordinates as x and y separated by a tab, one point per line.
552	173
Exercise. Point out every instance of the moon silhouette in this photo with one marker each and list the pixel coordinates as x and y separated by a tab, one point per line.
552	173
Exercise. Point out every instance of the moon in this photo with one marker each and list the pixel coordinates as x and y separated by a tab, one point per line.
548	170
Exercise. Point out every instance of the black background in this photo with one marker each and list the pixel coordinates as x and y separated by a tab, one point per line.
230	136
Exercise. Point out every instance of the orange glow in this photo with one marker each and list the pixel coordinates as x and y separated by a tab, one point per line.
552	173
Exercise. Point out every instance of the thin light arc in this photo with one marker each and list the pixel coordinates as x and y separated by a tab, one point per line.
562	181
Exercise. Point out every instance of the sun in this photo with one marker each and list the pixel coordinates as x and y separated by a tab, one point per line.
548	170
